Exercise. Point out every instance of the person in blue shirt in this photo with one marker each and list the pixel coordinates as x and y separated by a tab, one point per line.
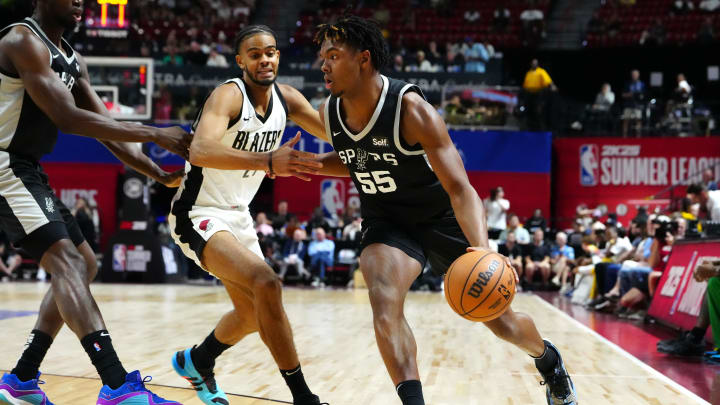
321	252
634	99
562	258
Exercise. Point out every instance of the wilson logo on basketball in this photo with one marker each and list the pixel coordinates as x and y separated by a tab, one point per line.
483	277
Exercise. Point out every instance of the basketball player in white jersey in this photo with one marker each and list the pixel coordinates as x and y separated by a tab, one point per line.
236	142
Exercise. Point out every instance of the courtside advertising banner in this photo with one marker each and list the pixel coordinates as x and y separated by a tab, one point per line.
624	173
678	296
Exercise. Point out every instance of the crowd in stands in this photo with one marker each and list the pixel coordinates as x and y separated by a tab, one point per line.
654	23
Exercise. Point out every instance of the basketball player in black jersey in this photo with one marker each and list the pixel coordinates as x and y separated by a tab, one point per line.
44	85
417	203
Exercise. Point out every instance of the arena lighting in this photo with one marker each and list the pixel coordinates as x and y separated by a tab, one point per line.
121	11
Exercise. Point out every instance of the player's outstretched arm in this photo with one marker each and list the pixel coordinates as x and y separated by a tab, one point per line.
207	150
30	57
129	153
311	120
421	123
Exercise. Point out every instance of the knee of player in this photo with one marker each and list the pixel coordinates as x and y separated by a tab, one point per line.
64	261
266	283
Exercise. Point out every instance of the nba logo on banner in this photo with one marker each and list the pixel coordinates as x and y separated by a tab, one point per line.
332	197
589	165
119	258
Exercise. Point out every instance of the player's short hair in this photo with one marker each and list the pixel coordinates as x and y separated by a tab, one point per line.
360	33
251	30
696	188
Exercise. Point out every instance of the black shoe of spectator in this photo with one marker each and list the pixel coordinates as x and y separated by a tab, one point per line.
684	347
670	342
597	301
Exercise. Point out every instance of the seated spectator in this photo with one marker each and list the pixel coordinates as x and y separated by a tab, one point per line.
382	15
262	225
533	24
10	260
172	58
398	64
538	260
638	285
709	5
471	16
281	216
83	216
434	56
613	25
512	251
420	64
522	236
318	220
682	7
604	99
321	252
501	18
353	230
294	253
536	221
216	59
562	260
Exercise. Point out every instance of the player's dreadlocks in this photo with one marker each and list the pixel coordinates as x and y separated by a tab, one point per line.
360	33
252	30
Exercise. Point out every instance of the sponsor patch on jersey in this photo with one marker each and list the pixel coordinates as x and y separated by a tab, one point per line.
380	141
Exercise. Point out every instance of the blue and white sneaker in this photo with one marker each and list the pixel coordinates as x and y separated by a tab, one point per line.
133	392
206	387
16	392
559	388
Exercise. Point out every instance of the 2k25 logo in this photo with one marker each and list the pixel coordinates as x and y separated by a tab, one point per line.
589	165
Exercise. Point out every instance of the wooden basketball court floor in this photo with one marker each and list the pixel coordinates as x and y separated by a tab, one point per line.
461	363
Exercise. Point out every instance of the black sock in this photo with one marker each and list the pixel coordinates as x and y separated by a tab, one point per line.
697	334
410	392
547	362
295	380
37	346
203	356
98	346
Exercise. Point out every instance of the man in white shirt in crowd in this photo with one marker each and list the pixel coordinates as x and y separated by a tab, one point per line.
710	200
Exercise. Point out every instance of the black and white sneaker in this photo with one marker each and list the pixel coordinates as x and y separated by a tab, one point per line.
559	388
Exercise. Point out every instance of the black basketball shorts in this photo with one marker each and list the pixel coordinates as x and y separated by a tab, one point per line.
31	215
438	243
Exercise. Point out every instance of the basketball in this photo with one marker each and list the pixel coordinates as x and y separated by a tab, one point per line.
479	286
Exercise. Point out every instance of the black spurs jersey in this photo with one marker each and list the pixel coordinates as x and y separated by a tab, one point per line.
395	180
25	130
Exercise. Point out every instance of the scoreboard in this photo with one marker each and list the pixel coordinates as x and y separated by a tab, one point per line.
107	18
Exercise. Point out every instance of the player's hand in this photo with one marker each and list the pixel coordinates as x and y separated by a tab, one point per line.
287	161
172	180
175	140
705	271
507	261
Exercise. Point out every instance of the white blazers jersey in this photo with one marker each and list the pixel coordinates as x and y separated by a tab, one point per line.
235	189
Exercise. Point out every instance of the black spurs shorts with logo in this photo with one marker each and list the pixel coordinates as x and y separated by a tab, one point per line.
438	242
31	215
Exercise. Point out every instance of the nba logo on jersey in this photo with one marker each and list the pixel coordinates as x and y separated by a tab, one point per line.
119	258
589	167
332	196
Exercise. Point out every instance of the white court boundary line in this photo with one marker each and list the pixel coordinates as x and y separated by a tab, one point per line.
627	355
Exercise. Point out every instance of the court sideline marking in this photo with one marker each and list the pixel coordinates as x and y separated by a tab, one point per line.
627	355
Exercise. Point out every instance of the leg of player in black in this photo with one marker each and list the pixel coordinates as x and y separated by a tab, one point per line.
50	322
389	272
